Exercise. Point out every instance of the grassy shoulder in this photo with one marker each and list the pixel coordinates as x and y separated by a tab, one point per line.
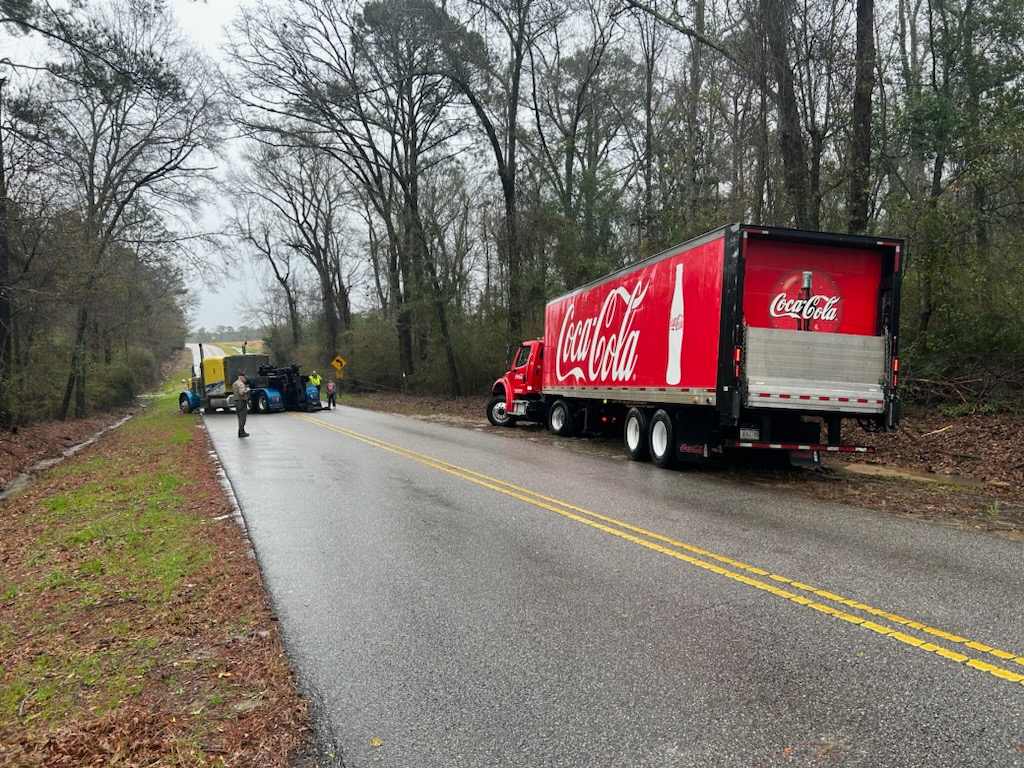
134	629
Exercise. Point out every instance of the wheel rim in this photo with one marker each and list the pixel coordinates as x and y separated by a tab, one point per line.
558	419
499	412
659	438
633	433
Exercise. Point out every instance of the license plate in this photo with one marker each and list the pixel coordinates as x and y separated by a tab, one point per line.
750	433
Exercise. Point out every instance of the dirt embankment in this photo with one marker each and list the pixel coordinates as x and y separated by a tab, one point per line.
966	471
134	627
30	444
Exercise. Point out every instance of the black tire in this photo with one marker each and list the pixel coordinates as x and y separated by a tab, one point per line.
496	413
661	439
561	419
634	435
262	403
183	405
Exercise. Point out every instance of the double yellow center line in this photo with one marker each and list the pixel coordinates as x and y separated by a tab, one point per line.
794	591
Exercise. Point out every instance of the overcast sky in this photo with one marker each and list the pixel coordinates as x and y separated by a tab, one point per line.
220	302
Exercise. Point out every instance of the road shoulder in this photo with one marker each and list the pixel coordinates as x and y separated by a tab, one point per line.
133	620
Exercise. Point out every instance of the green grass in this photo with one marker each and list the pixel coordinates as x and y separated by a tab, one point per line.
123	534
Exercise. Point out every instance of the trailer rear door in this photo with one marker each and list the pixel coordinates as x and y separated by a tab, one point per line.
817	313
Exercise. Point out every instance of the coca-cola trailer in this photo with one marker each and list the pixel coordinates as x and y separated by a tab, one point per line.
747	337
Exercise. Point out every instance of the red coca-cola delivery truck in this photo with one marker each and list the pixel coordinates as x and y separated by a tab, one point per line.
747	337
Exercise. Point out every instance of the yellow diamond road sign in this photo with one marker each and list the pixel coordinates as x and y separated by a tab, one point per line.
339	362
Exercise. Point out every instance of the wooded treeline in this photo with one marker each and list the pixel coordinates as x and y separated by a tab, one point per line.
445	169
414	180
103	153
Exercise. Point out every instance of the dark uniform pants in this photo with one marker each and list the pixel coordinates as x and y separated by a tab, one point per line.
241	410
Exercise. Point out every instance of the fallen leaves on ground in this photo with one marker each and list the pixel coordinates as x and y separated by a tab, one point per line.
134	626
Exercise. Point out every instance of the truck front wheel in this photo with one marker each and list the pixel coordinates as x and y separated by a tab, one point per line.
262	404
634	435
560	419
184	405
662	439
497	414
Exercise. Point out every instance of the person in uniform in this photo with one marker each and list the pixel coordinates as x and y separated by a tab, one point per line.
241	390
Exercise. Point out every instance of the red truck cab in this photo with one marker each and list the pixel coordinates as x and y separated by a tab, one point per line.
519	387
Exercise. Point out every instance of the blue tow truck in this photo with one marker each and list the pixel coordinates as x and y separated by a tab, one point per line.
271	389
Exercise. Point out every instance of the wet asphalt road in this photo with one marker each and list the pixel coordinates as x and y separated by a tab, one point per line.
465	622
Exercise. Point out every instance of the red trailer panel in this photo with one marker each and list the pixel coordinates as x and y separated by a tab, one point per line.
653	327
842	296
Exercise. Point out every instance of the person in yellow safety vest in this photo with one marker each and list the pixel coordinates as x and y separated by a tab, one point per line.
314	379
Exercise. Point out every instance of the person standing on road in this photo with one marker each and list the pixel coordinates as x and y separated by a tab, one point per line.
330	395
241	390
314	379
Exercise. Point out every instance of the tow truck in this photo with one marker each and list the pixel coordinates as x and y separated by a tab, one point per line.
272	389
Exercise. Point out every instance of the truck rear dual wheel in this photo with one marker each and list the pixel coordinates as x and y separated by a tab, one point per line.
561	419
498	414
662	439
635	435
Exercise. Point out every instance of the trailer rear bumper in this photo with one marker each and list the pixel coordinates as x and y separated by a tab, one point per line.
804	447
806	396
810	451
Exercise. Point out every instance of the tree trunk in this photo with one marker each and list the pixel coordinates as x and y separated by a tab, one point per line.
293	316
330	314
648	235
763	149
74	383
512	259
860	151
791	142
403	319
5	262
80	388
817	149
693	126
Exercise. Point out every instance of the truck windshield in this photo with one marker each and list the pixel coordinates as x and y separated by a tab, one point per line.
522	356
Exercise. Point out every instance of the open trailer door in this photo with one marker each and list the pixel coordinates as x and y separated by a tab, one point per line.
820	322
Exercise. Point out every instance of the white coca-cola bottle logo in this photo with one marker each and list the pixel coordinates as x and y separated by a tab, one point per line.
818	307
601	348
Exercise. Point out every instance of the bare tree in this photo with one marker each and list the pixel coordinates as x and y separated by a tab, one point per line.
256	227
129	139
492	81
